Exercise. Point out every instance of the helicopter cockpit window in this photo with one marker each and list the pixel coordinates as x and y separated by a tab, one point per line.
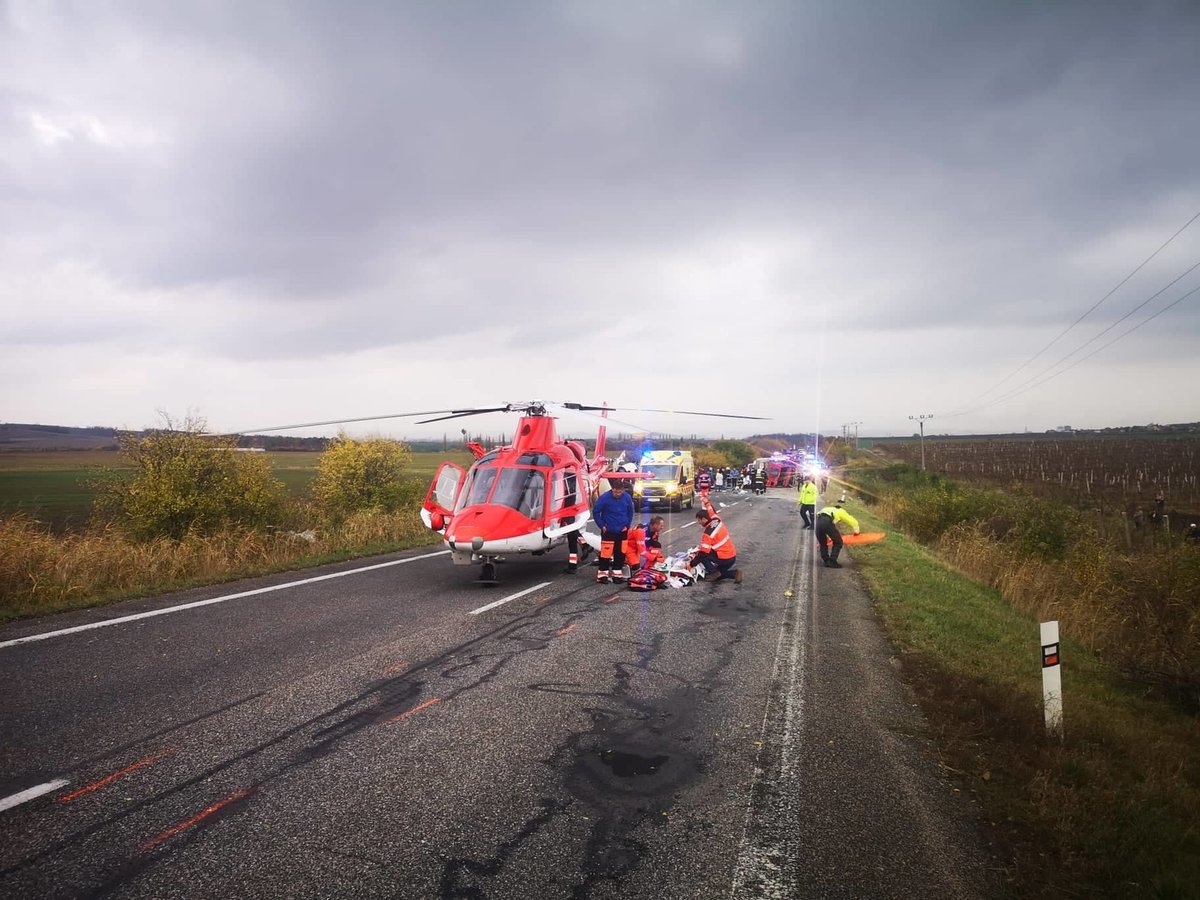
479	485
489	456
565	489
523	490
534	459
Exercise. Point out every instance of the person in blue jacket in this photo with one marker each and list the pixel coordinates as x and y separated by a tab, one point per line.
613	512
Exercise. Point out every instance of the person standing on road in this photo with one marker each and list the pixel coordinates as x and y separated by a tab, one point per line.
760	480
716	549
827	530
808	500
570	498
613	512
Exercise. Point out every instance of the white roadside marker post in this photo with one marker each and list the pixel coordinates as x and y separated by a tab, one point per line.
1052	680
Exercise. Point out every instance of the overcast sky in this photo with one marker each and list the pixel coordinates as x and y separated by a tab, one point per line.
821	212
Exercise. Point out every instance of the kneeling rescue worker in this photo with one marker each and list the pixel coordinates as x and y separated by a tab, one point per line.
642	545
716	550
827	530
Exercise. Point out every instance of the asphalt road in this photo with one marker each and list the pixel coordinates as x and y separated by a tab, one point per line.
373	735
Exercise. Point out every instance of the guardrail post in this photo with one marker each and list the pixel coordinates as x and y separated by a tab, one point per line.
1052	699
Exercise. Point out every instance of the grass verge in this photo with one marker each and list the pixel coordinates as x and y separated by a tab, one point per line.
43	573
1111	811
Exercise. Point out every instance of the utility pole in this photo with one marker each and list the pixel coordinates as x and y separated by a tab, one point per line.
855	424
921	419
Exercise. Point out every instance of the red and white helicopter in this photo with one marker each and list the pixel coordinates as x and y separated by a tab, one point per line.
527	497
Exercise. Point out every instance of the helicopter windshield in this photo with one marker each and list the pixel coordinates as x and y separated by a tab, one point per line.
523	490
479	485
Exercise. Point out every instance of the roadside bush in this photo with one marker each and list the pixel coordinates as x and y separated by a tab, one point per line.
736	453
186	482
706	458
355	475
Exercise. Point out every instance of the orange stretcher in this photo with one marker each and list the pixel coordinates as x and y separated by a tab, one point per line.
867	537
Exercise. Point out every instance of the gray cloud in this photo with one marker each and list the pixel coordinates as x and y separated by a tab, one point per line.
286	181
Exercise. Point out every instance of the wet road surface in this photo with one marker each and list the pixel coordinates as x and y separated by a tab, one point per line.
375	734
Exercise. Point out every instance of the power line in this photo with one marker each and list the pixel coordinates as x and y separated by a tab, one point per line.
1094	307
1029	381
1082	359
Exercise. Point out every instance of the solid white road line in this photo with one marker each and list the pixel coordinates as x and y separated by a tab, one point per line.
30	793
483	609
182	606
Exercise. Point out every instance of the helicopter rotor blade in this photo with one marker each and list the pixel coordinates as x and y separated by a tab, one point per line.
581	407
609	421
461	414
408	415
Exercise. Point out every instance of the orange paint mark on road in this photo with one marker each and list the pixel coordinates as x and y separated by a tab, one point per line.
196	819
613	599
415	710
109	779
398	667
568	628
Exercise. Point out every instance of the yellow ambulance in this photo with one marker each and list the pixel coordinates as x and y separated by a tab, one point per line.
672	480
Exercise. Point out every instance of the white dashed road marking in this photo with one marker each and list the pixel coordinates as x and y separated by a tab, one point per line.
483	609
31	793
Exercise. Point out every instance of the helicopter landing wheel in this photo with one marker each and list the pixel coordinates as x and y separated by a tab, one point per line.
487	575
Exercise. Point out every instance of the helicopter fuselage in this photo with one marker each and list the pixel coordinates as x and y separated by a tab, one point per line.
523	498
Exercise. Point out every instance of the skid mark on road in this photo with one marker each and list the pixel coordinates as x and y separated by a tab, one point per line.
625	771
628	735
109	779
319	734
206	813
415	710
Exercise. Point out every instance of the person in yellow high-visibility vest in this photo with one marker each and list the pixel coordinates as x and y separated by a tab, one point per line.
808	500
827	532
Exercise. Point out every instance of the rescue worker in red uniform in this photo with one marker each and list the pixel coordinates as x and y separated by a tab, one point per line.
716	550
642	547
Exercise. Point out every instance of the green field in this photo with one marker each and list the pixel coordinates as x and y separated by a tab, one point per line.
58	487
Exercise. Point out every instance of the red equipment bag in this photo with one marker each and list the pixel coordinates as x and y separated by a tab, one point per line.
647	580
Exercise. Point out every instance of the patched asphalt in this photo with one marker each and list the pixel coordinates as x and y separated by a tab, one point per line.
366	736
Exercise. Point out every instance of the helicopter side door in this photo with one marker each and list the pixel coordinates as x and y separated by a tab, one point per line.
443	495
568	502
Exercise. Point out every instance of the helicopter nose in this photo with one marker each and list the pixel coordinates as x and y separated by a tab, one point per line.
475	527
